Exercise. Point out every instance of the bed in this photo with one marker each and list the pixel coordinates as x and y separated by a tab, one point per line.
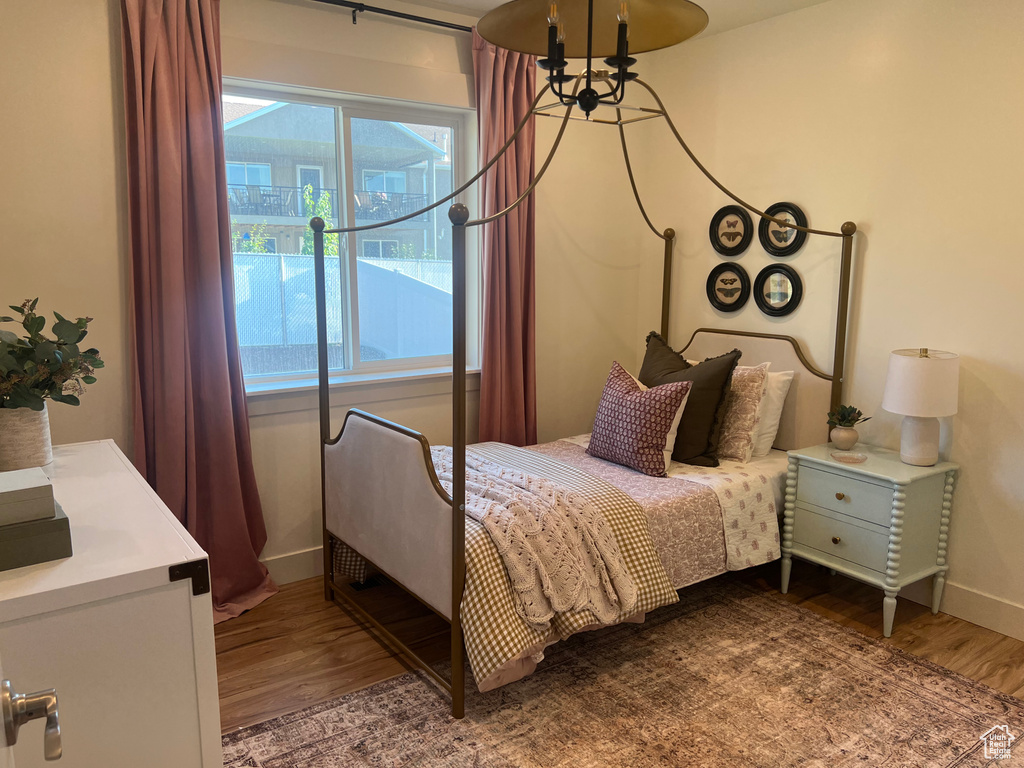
385	503
387	500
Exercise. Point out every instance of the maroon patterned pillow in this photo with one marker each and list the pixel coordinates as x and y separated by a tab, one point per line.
636	426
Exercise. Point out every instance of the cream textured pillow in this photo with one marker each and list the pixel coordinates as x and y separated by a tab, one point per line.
739	427
771	411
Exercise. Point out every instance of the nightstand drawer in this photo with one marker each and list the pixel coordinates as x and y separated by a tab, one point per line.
856	498
868	548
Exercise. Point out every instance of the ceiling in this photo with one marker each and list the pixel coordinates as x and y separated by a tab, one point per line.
724	14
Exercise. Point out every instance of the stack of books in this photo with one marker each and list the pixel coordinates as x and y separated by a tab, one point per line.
33	527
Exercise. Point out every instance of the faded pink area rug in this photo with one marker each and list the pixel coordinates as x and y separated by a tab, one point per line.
728	677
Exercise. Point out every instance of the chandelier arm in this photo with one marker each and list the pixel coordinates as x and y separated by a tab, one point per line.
540	174
632	180
719	184
460	190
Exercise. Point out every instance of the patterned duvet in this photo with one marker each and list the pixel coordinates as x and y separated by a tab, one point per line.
672	532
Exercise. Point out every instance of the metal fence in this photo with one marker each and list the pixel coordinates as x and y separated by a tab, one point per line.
257	200
275	305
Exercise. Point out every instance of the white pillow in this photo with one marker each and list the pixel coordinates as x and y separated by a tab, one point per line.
770	412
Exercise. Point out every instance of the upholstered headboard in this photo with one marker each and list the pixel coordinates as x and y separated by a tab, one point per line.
805	415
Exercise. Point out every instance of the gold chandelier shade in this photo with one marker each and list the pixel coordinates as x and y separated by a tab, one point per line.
522	25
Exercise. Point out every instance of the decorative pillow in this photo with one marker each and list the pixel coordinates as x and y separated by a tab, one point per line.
771	411
634	427
739	425
697	437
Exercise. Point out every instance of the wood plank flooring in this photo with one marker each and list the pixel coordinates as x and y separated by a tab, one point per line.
297	649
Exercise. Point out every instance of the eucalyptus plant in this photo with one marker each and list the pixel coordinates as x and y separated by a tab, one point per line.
846	416
35	368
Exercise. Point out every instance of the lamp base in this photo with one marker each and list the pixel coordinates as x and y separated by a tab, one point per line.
919	441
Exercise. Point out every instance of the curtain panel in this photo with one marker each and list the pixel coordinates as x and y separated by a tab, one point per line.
505	88
191	428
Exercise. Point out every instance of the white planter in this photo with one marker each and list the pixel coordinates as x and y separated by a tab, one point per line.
844	438
24	438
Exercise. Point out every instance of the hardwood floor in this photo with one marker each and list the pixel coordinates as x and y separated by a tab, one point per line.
297	649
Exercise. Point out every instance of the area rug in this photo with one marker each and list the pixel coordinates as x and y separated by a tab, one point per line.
728	677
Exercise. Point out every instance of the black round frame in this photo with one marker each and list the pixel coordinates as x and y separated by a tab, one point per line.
745	239
744	287
764	234
794	299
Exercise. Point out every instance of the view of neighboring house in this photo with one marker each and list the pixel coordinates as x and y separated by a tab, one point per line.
282	169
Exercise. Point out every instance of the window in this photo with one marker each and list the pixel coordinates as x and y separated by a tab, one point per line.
242	174
384	181
390	301
380	249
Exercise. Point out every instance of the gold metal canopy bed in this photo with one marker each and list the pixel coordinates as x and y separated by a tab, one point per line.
383	501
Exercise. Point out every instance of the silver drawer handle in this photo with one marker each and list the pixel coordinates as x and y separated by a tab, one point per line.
840	496
836	539
19	708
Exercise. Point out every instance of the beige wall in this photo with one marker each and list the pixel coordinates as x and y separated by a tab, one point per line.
63	209
906	118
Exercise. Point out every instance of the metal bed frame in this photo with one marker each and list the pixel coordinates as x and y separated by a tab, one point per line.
459	216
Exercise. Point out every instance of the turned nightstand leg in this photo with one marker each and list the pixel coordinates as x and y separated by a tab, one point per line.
888	612
892	562
787	523
939	581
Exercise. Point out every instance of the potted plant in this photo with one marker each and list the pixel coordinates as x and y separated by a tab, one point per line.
35	368
843	420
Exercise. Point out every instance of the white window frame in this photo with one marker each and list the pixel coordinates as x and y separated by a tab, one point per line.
300	168
463	152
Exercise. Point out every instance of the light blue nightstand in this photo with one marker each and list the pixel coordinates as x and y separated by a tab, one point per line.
882	522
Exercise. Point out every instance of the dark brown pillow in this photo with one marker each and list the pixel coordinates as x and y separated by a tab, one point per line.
697	437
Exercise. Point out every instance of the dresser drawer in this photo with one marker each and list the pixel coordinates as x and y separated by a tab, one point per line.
839	539
856	498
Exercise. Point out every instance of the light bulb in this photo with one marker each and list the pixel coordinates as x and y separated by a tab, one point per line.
561	32
623	15
553	14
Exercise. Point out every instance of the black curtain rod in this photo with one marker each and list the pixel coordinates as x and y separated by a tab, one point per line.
363	8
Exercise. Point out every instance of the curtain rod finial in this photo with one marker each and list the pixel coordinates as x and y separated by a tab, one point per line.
317	224
849	228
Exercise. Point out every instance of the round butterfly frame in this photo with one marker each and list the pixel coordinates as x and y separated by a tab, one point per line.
778	290
778	240
728	287
731	230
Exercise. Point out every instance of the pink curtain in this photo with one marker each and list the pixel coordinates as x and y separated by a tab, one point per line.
191	422
505	88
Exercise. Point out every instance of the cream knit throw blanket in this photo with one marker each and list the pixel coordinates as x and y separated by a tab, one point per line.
559	551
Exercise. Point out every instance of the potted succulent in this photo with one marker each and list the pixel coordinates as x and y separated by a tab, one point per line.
843	420
36	368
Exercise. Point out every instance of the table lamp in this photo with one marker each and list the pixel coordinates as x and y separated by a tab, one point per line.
921	385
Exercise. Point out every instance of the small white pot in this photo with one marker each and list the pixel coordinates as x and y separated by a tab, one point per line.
24	438
844	438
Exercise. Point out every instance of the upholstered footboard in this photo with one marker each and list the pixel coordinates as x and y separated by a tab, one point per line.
383	499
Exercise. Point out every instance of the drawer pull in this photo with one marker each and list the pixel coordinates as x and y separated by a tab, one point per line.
840	496
836	539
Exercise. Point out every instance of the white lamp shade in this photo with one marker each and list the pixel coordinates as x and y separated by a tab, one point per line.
919	385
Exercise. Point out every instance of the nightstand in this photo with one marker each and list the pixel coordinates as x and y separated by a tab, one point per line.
882	522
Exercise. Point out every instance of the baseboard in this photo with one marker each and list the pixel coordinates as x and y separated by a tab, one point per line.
970	605
296	566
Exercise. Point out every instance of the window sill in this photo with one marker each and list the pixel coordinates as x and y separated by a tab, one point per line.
352	389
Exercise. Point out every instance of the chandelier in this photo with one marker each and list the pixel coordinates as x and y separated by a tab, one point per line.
572	29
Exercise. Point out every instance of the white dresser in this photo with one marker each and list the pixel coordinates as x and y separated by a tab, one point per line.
123	629
882	521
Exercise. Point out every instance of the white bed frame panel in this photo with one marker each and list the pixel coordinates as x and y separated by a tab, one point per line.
805	415
383	499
